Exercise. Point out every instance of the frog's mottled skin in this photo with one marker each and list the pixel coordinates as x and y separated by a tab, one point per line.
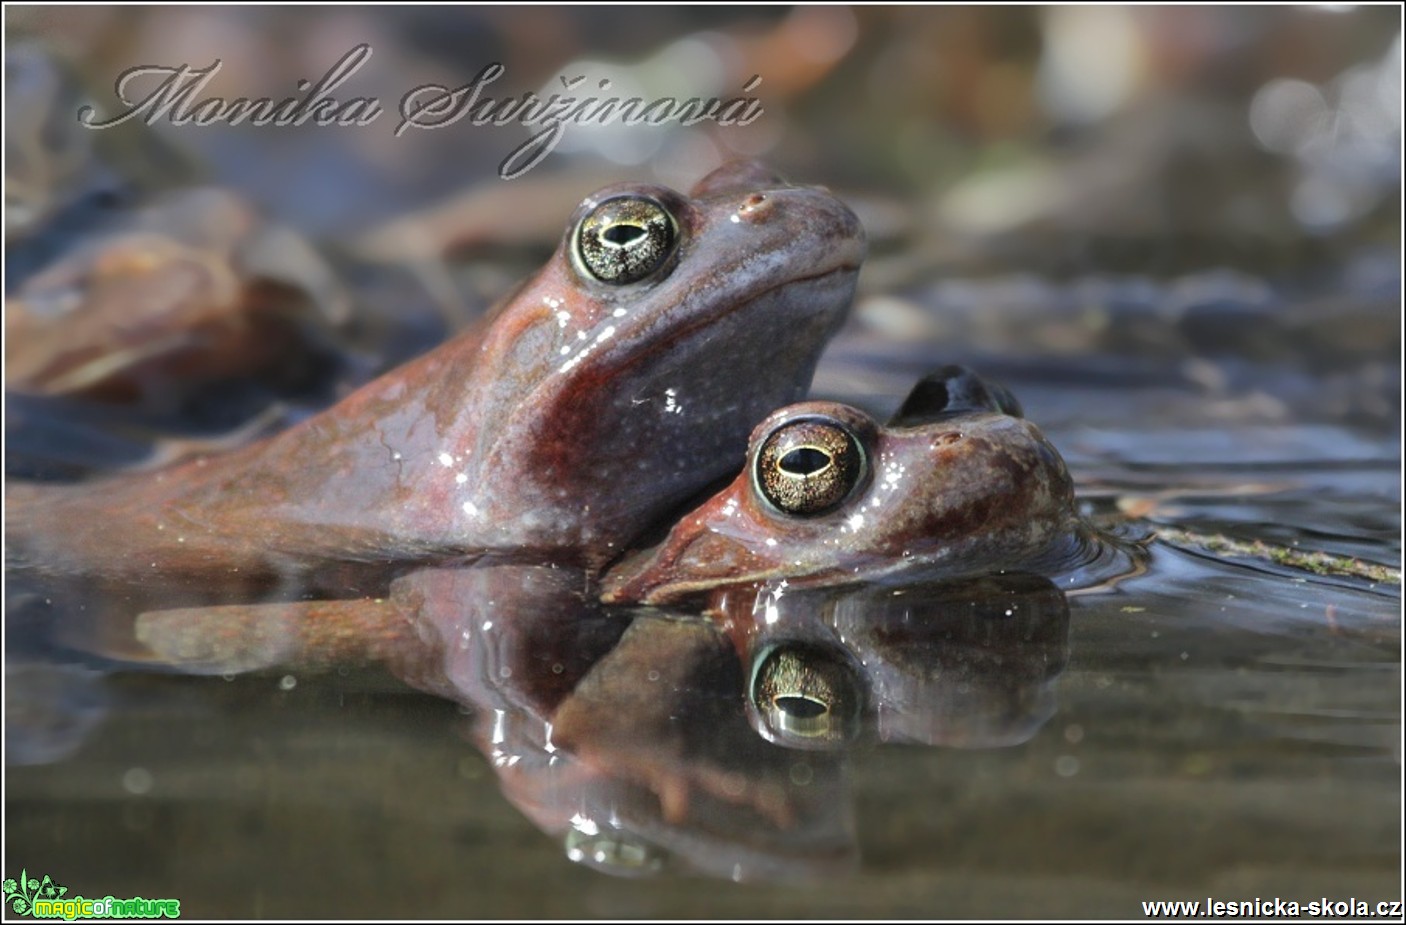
965	494
574	416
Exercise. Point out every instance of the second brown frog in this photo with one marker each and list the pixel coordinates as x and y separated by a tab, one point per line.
957	484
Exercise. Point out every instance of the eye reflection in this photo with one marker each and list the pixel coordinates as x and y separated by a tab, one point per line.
806	696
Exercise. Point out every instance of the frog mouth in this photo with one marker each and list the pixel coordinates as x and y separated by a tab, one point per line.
839	277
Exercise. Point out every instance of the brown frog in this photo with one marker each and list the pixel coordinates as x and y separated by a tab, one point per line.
957	484
605	391
193	289
627	738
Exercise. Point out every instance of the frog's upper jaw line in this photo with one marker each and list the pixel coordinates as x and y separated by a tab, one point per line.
977	494
661	583
822	298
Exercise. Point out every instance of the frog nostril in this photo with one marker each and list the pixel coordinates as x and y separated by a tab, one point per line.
752	206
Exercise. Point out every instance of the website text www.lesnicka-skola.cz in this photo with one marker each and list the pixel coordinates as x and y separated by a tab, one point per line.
1272	908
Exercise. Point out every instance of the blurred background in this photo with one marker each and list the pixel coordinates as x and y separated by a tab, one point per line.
1242	128
1192	169
1174	232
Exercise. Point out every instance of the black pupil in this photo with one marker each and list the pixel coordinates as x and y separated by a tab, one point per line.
800	707
804	461
623	234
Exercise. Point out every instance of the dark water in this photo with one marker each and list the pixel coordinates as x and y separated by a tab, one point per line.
1219	727
1225	723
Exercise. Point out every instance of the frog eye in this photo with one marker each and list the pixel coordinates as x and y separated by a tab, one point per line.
808	466
623	240
806	697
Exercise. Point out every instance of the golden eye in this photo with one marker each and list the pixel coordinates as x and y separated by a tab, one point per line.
623	240
806	697
809	466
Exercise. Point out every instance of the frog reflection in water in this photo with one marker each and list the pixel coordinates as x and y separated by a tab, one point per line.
622	732
515	438
639	756
513	442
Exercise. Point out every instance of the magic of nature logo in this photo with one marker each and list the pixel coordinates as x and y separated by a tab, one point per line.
45	898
